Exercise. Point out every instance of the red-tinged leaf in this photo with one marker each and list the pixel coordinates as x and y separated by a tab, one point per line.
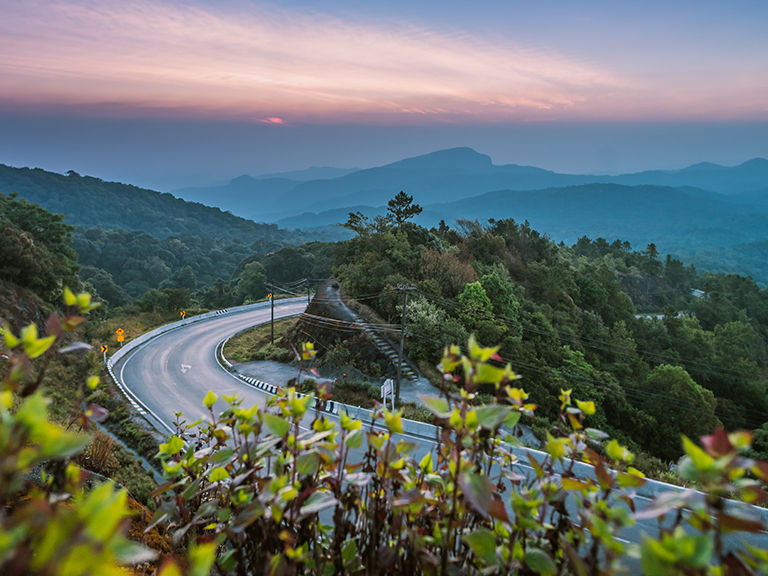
513	477
498	511
738	524
604	477
630	502
754	495
574	421
735	567
53	326
97	413
72	322
536	466
477	491
593	457
162	488
663	504
717	444
413	496
760	469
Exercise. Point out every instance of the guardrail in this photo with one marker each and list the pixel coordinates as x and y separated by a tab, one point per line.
650	489
136	342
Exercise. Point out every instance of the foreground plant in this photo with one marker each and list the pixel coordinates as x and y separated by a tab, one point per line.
283	489
50	522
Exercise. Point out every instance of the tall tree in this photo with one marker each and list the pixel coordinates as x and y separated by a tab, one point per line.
401	208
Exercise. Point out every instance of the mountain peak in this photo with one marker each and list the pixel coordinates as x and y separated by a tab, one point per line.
453	159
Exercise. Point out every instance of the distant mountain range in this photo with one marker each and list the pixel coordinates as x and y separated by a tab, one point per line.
446	176
713	215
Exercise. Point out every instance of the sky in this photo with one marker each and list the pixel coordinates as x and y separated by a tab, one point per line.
166	94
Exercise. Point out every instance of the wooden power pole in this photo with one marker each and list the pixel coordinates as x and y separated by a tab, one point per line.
405	288
272	301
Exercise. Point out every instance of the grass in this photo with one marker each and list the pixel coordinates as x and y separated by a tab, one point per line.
255	344
104	455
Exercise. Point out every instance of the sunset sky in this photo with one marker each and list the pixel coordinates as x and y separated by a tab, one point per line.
166	94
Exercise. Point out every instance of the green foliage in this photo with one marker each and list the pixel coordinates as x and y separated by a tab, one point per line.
57	526
679	406
402	208
251	284
91	202
34	247
275	488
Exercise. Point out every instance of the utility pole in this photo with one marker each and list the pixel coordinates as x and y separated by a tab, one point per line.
405	288
272	301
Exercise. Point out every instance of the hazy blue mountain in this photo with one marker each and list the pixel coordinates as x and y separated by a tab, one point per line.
242	195
749	176
313	173
674	218
445	176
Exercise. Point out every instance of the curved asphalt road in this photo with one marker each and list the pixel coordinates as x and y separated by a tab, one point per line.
174	371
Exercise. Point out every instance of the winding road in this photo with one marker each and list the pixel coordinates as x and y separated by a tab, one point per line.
173	371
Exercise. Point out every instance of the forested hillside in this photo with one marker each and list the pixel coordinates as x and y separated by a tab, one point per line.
563	318
90	202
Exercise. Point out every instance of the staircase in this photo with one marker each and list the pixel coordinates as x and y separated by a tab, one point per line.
389	349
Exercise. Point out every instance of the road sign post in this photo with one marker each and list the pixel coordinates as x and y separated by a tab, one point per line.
104	350
120	336
387	389
183	314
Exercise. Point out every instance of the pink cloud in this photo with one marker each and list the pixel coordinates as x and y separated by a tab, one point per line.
270	120
272	64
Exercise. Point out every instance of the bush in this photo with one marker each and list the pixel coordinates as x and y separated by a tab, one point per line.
278	499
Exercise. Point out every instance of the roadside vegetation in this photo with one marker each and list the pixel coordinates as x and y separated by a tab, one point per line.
564	317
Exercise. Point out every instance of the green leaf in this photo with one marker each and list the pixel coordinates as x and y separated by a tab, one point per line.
278	425
355	439
210	399
618	452
701	459
308	463
202	556
317	502
596	434
438	406
10	340
173	446
587	407
483	544
218	474
655	560
512	419
477	490
491	416
539	561
555	446
69	298
35	348
394	421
